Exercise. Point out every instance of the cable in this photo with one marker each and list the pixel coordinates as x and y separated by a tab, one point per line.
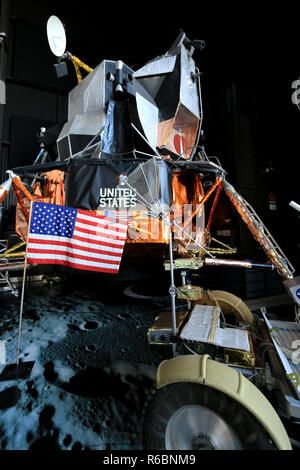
193	352
252	376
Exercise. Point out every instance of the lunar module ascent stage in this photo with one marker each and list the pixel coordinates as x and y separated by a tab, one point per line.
132	144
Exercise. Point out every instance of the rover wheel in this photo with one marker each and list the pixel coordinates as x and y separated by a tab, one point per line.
189	416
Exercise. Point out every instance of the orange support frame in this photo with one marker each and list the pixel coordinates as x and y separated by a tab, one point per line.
217	184
212	212
19	187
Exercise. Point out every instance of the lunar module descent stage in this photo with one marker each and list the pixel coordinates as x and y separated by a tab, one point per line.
132	144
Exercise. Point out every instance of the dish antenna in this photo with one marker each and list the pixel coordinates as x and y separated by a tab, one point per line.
56	36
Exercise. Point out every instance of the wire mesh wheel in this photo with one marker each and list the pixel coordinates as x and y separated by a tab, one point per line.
189	416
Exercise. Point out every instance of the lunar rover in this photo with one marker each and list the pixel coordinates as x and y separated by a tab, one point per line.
132	143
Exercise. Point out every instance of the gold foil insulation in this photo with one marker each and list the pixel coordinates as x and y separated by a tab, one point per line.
188	196
189	293
52	193
144	229
241	358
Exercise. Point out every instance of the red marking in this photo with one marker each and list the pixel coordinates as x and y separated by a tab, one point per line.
179	144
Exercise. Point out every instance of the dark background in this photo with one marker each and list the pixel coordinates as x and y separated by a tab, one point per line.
248	67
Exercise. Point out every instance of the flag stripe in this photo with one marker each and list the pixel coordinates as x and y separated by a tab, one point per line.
104	233
122	228
92	247
111	217
117	244
76	254
104	242
65	256
74	250
70	264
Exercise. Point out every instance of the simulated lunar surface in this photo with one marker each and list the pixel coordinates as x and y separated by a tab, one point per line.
93	367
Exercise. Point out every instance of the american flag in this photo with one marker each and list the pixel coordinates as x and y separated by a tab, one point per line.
76	238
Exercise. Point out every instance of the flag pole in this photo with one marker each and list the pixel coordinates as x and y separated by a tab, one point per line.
23	289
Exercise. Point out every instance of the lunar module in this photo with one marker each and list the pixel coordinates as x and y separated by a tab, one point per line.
132	145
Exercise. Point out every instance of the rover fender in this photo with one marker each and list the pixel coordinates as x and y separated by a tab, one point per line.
203	370
228	303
